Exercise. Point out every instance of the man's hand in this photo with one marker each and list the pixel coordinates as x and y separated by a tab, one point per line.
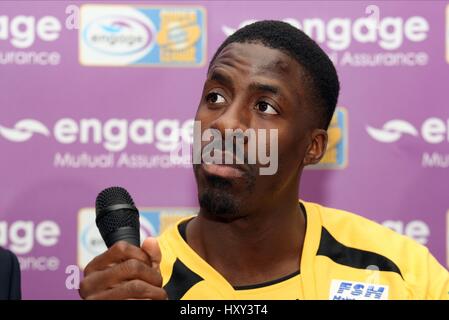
125	272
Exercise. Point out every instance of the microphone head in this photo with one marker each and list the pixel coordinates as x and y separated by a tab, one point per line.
117	218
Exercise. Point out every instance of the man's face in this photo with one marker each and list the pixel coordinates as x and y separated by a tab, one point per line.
250	86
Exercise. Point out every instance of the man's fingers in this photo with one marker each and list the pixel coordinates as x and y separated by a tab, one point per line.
151	247
119	252
135	289
128	270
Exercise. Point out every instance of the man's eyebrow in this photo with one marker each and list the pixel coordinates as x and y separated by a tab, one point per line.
221	78
225	80
256	86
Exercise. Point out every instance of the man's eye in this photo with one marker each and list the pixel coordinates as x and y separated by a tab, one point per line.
214	97
265	107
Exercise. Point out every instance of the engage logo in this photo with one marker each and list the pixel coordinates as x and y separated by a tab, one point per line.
24	237
122	35
20	33
113	137
153	221
113	134
371	39
389	33
432	131
23	31
119	35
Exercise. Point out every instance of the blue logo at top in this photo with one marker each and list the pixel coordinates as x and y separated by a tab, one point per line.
116	35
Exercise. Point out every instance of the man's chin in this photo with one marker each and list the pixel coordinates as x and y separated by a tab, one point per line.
218	205
220	198
217	198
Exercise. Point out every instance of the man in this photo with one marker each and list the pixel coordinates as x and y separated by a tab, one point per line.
9	276
252	239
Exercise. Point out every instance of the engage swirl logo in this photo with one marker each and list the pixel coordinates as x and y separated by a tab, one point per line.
392	131
23	130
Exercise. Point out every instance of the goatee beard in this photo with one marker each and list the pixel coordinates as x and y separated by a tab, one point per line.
217	201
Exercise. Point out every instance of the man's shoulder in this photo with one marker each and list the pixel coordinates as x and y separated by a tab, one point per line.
7	258
9	275
171	239
355	231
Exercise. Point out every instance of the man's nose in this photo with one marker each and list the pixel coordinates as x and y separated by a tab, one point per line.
235	116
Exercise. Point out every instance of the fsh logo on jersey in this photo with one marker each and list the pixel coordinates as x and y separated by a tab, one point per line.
350	290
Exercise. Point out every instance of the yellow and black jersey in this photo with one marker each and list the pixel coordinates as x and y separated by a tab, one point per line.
345	256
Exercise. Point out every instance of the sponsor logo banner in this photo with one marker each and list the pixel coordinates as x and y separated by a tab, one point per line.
124	35
336	156
153	221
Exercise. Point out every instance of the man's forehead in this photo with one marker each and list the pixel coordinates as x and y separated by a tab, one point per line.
257	59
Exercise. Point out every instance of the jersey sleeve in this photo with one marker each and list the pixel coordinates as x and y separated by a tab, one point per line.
438	280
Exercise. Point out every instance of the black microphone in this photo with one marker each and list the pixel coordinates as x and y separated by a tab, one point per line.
117	218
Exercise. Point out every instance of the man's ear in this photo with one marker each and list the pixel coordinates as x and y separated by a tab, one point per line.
317	147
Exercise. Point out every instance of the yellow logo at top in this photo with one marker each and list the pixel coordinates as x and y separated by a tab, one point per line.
124	35
179	32
336	156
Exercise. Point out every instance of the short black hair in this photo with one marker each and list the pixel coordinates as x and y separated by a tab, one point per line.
319	70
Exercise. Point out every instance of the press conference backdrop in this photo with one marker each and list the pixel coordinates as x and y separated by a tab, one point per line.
93	96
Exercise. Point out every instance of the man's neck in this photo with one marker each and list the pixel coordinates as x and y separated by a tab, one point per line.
262	246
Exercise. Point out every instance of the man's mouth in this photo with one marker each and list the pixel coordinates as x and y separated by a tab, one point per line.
224	170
